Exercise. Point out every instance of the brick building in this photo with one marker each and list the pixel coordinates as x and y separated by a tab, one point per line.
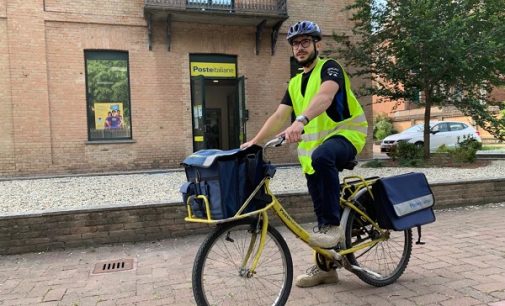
89	86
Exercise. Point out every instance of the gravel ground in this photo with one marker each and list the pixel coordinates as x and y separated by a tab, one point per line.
78	192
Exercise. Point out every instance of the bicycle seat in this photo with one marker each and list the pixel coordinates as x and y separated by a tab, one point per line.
349	165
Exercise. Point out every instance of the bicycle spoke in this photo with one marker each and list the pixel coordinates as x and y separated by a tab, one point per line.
221	279
388	258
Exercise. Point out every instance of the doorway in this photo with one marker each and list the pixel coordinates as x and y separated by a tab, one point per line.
219	113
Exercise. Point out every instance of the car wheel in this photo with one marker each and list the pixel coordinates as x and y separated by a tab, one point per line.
419	144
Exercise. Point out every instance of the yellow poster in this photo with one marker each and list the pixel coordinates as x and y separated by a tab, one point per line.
213	69
108	115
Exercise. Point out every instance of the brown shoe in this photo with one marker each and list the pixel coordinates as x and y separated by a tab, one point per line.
315	276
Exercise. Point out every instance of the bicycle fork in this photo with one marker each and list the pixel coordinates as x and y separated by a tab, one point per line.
244	271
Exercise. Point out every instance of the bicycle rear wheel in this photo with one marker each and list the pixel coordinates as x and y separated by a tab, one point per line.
220	279
388	258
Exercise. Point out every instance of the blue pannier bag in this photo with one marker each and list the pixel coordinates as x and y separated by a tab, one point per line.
227	179
403	201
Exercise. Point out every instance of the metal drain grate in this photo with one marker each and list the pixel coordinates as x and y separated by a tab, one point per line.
114	266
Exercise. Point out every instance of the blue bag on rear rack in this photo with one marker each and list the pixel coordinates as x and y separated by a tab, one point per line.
403	201
227	179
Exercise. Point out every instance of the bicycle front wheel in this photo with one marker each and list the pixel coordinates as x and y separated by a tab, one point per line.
386	259
221	274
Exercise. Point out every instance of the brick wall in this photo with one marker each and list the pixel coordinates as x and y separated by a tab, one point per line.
43	99
6	124
107	8
28	85
81	228
3	8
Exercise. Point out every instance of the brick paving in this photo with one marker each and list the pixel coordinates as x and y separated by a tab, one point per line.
462	263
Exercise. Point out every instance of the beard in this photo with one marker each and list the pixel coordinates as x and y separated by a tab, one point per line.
309	60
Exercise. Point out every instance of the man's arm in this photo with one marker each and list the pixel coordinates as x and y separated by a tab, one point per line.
319	104
272	126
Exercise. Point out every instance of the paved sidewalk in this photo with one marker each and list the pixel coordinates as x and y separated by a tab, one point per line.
463	263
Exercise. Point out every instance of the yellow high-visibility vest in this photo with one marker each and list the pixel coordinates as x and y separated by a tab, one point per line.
323	127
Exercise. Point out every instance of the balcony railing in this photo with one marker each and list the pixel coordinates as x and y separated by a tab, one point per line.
259	13
255	7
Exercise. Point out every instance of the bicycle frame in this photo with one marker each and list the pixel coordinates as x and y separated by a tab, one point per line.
360	186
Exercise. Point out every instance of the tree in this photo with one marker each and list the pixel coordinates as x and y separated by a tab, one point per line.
450	50
108	82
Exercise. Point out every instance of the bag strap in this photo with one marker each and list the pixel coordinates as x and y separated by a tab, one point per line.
251	169
197	181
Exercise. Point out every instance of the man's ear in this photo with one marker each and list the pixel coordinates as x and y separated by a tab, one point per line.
319	46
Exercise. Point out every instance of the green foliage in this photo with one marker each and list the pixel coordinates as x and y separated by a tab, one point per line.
407	154
452	51
465	152
469	142
493	148
463	155
383	127
374	163
443	149
108	82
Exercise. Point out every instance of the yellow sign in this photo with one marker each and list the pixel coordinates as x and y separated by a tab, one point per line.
214	69
198	138
108	115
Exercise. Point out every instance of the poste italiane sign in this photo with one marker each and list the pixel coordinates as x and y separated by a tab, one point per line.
227	70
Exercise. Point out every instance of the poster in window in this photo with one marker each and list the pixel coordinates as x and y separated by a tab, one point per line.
108	115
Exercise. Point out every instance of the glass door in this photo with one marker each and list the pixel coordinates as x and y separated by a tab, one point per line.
198	111
237	114
219	113
243	113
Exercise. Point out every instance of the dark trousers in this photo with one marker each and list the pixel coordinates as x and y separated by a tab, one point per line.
324	186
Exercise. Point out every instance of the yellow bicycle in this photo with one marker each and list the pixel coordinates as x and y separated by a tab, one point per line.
246	261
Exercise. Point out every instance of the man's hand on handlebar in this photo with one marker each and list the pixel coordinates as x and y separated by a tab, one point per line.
294	132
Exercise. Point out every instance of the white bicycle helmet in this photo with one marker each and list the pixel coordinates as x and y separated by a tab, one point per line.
304	27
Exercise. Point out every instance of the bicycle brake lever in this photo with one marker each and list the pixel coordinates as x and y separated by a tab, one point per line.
276	142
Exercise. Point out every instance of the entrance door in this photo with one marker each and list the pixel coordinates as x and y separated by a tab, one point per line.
198	111
243	113
220	102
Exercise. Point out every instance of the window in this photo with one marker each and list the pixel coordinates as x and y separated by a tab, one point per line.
441	127
108	95
414	129
457	126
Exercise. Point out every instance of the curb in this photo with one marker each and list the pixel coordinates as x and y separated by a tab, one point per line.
57	230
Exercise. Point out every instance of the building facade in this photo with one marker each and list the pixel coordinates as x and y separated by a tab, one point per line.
114	85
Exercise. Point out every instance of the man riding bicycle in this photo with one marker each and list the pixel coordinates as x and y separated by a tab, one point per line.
330	128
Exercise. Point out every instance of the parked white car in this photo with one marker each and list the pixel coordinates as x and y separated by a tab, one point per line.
448	133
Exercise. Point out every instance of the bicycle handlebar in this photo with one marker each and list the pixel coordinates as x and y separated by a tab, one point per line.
276	142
